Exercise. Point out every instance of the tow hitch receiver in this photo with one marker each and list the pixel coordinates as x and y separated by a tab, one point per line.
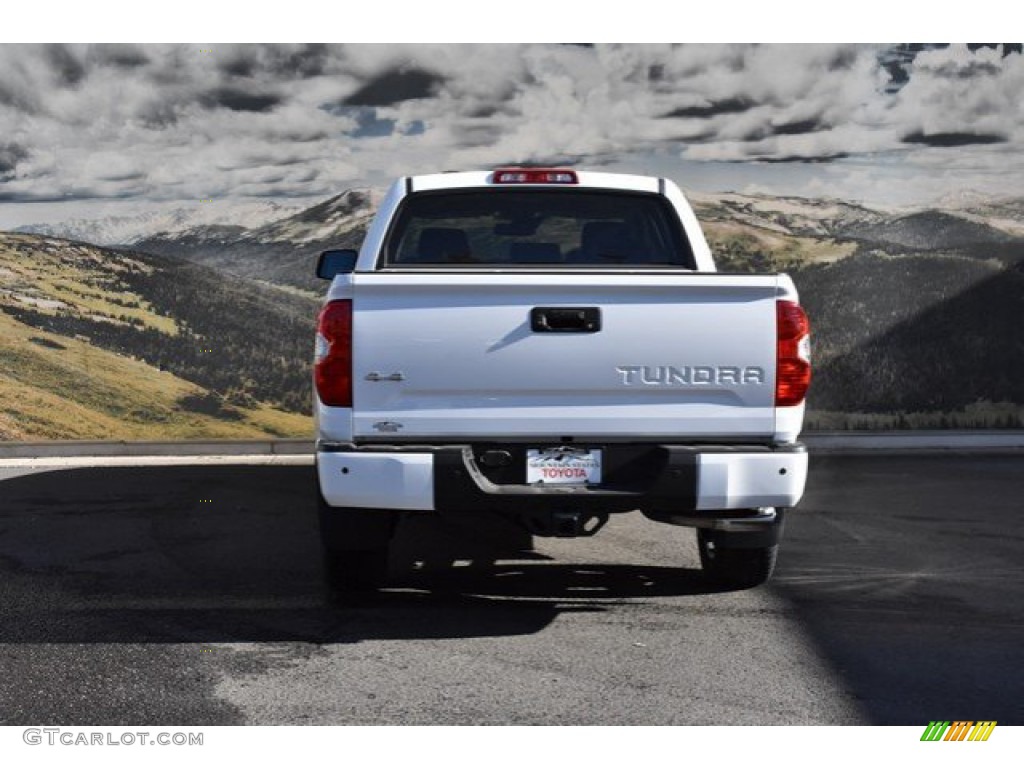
564	524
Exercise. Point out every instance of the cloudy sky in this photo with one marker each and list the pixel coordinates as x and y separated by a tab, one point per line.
100	129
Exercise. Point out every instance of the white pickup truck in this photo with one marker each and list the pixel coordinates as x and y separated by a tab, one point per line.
554	346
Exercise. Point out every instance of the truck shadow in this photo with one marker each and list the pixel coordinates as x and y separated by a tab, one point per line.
904	574
231	554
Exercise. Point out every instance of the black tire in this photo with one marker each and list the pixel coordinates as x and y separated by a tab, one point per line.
355	545
735	568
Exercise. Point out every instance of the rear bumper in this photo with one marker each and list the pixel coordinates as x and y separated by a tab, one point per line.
683	482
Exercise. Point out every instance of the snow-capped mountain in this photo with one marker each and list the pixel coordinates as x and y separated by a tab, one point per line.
324	222
963	199
281	250
265	240
130	229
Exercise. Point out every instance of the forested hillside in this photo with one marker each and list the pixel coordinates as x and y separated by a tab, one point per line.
244	347
916	317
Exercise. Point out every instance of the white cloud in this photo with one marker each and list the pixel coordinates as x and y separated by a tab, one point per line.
955	90
178	122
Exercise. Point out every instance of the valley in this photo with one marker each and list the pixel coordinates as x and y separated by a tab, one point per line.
208	326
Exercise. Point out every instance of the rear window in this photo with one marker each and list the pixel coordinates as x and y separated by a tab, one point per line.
563	227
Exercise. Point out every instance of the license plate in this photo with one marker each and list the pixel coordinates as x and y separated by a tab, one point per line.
562	466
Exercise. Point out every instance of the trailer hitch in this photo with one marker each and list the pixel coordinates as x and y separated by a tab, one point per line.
564	524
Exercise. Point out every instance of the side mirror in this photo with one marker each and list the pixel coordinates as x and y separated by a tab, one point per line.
340	262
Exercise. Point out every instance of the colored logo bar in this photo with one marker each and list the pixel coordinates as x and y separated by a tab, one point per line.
959	730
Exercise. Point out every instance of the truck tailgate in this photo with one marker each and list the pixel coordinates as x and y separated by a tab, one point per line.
460	355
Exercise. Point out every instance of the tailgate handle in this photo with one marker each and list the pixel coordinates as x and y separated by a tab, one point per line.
565	319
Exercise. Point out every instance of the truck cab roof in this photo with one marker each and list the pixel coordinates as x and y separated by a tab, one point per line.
584	179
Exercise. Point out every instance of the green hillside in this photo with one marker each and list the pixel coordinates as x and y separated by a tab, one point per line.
915	318
98	344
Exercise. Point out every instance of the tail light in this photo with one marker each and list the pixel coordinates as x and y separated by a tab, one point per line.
793	354
332	367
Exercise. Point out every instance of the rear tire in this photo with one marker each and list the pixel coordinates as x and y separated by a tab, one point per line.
732	567
355	545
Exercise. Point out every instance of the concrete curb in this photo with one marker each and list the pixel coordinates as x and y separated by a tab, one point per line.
66	448
823	442
914	442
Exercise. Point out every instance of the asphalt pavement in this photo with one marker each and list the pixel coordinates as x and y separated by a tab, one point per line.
191	595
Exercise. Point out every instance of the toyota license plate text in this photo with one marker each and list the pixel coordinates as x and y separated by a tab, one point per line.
559	466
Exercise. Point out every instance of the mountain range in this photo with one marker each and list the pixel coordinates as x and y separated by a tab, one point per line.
268	242
122	230
277	243
916	313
